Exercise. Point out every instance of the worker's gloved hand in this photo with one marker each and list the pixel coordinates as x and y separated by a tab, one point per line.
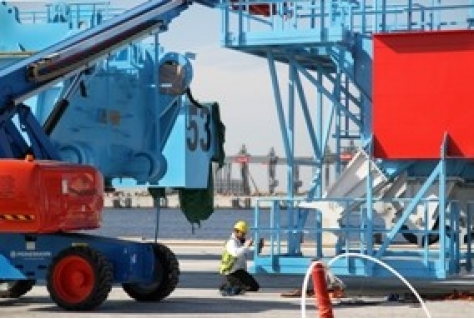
249	242
261	244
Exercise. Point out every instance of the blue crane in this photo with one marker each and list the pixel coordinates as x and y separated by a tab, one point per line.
56	163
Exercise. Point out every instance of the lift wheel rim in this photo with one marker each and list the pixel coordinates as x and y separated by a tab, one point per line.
74	279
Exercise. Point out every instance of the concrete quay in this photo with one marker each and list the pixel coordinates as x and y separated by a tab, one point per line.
197	296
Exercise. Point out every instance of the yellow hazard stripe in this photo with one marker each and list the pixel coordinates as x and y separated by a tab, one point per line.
17	217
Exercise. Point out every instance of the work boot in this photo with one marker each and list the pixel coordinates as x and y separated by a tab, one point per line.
224	293
232	291
236	291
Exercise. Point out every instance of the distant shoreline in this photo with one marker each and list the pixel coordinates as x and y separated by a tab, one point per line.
130	199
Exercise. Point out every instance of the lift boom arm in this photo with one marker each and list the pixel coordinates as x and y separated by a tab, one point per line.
27	77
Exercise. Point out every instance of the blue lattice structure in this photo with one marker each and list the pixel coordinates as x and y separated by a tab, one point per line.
413	213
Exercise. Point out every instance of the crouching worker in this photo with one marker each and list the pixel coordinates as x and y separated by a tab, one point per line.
233	267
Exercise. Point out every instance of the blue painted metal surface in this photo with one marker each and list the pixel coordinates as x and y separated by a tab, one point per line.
132	261
126	103
328	44
9	271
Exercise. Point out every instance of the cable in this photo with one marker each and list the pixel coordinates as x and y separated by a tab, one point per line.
308	272
305	287
191	98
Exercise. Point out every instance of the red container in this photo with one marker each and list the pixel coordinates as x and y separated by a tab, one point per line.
263	9
422	92
49	196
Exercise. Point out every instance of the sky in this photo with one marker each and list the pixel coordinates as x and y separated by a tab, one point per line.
239	82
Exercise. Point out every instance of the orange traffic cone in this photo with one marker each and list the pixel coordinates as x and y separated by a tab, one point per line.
323	302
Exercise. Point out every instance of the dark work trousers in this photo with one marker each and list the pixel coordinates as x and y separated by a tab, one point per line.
242	279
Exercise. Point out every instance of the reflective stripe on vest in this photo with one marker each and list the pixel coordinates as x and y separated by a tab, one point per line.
227	262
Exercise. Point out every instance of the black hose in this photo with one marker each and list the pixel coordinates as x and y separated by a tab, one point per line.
191	98
53	119
426	239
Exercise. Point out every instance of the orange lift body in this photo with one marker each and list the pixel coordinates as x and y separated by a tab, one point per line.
49	197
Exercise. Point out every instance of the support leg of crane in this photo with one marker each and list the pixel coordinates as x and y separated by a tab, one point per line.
323	302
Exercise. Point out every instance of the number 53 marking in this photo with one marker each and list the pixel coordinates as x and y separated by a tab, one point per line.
197	137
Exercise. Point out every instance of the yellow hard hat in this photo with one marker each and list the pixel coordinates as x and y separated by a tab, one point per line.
241	226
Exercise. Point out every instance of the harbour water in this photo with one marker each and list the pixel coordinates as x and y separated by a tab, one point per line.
172	223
